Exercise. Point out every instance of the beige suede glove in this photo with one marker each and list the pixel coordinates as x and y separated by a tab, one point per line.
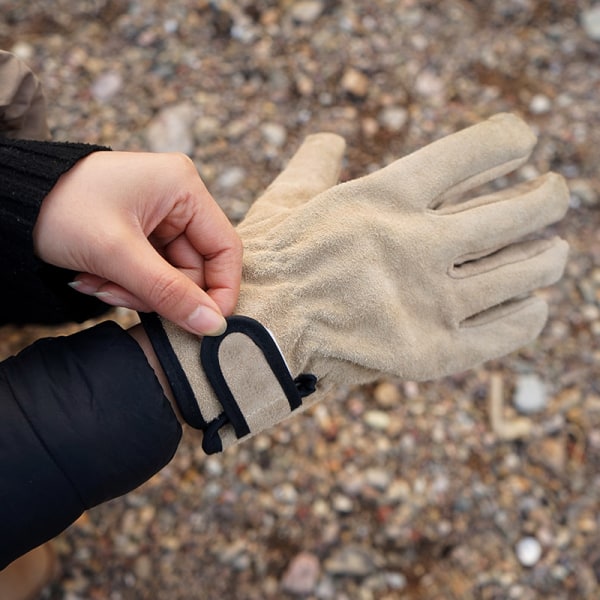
22	102
393	274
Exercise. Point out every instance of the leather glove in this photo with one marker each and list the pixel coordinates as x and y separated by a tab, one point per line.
395	273
22	102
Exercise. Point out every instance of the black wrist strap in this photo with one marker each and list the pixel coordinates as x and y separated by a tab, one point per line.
294	389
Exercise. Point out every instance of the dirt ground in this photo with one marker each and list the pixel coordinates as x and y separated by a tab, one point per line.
444	490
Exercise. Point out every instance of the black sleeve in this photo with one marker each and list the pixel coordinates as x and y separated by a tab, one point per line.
34	292
82	420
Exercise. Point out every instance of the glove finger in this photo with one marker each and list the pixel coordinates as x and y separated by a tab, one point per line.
498	331
314	168
495	220
454	164
508	274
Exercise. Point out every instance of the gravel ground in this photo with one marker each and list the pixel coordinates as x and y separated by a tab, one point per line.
484	485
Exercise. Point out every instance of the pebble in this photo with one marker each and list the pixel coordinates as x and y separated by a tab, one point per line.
231	177
274	134
23	50
590	19
378	478
142	567
530	394
302	574
393	118
286	493
356	562
171	130
377	419
429	84
106	86
342	504
387	394
355	83
529	551
584	192
307	11
540	104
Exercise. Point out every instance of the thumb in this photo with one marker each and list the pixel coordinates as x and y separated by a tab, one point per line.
314	168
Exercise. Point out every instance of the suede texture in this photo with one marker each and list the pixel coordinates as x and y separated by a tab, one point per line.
22	102
405	272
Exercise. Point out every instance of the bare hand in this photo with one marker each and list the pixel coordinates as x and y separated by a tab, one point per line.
144	233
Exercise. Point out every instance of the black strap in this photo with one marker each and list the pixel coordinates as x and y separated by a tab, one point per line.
294	389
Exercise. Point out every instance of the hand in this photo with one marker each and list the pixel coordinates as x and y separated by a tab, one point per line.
144	233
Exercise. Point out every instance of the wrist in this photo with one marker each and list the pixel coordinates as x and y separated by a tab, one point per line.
138	333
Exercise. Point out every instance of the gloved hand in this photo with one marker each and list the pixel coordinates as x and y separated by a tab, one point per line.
392	273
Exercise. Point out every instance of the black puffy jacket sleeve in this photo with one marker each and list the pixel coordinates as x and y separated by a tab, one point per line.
82	420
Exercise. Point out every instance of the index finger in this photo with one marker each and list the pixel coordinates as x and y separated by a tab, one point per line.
214	238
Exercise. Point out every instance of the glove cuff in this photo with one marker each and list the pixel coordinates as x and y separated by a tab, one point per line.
242	384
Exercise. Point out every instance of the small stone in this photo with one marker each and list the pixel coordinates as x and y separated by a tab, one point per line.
213	467
387	395
393	118
171	129
23	50
540	104
342	504
429	84
396	581
355	562
530	394
302	574
143	567
286	493
378	478
584	192
106	86
231	177
377	419
590	20
356	83
529	551
274	134
551	452
207	129
307	11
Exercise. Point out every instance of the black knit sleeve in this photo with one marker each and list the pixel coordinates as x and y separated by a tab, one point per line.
35	291
83	419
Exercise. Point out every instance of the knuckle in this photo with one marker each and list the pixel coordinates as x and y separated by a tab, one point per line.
183	162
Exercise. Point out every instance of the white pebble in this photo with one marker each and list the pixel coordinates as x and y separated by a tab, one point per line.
274	134
590	19
377	419
231	177
393	118
307	11
530	394
540	104
106	86
529	551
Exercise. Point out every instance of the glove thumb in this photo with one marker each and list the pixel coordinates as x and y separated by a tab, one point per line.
314	168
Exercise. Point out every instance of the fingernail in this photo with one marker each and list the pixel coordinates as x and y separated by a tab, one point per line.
111	299
82	287
206	321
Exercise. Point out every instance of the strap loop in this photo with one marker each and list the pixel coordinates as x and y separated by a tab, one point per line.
294	390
